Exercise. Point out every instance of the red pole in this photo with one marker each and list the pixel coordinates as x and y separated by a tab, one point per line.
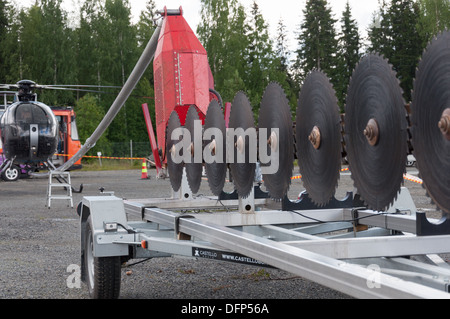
151	136
227	113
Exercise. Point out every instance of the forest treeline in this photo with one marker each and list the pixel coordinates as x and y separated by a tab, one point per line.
101	46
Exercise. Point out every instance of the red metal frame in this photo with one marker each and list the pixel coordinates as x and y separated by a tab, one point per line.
151	135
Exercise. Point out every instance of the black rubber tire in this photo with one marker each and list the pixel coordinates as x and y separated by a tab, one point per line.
103	274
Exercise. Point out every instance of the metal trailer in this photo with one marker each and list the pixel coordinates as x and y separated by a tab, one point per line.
359	252
345	247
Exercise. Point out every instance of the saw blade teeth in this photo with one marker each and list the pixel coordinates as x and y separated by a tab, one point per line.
193	169
318	138
428	104
216	172
361	150
175	170
241	117
275	113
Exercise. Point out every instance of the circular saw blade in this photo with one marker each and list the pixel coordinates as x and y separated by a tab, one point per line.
275	117
216	166
195	165
376	132
174	165
238	145
318	137
430	120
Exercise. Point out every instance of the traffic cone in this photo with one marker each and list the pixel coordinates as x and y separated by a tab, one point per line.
144	170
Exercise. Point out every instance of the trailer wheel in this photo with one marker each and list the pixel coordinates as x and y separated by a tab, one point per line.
103	273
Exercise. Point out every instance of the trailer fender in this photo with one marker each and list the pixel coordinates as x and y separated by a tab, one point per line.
99	214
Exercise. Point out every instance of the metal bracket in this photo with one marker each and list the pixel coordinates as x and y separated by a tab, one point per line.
179	235
305	203
258	194
425	228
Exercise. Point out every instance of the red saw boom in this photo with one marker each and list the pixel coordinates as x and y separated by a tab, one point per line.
182	74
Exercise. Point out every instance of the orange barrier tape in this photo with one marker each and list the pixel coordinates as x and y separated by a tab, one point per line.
107	157
300	176
407	177
412	179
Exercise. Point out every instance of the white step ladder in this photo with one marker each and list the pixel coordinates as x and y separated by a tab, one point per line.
66	184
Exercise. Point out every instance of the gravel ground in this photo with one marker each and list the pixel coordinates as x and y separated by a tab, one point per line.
38	246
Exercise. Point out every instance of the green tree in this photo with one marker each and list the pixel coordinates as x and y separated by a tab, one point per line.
107	52
119	41
377	30
119	56
10	47
259	55
90	113
58	48
223	34
282	65
282	49
145	89
434	17
101	50
317	41
3	32
38	46
348	54
135	117
146	24
397	37
145	29
88	39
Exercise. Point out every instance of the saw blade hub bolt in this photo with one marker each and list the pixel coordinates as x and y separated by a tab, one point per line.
273	141
444	123
240	144
315	137
212	147
173	150
371	132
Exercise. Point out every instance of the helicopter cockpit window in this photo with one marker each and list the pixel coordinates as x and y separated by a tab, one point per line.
24	114
39	116
31	114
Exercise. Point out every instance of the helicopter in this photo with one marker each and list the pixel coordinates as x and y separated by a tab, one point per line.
31	130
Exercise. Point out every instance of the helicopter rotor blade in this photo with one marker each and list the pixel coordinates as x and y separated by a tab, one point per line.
9	86
46	87
49	87
84	86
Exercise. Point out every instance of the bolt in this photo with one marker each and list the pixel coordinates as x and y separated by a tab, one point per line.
444	123
315	137
371	132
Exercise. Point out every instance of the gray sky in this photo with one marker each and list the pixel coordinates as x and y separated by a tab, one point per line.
290	10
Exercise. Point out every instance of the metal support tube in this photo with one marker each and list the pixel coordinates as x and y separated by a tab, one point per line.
386	246
350	279
402	223
141	66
